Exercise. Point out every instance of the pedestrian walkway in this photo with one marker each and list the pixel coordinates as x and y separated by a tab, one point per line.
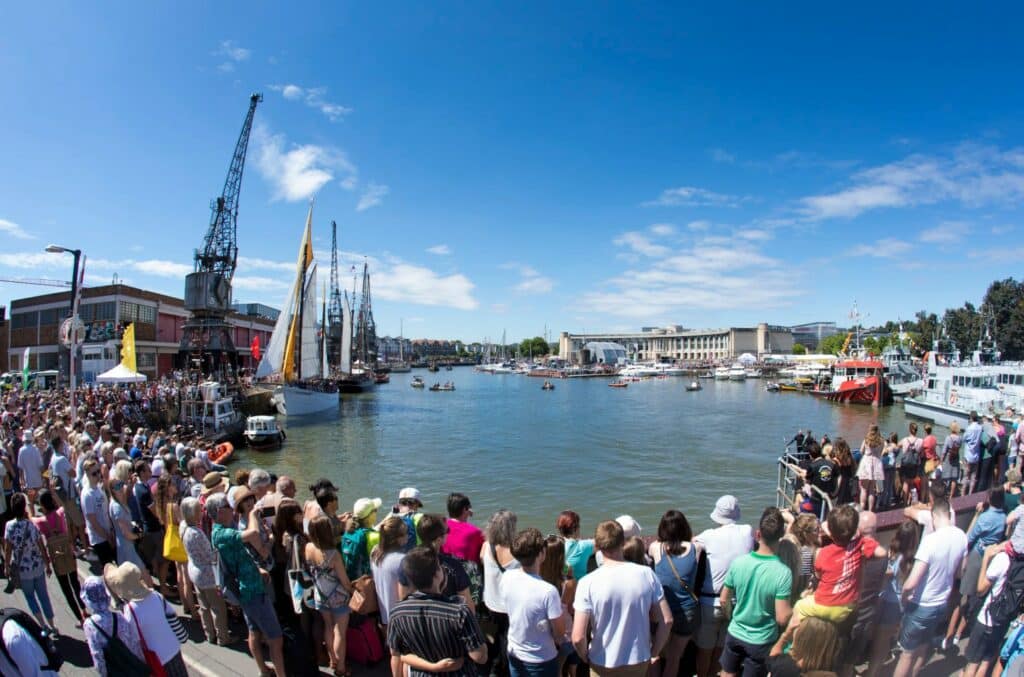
202	658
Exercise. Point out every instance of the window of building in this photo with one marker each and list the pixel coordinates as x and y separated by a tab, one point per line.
24	320
145	360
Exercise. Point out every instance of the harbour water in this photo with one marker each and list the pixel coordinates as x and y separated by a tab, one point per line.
600	451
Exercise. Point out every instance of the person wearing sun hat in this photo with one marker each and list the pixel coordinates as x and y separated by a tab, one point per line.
149	613
408	508
723	544
104	623
360	537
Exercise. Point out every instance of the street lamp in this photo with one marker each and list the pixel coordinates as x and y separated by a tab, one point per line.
77	253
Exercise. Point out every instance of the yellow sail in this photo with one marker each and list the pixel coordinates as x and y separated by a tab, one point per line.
128	347
288	370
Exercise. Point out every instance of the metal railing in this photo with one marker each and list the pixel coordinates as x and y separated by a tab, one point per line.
791	480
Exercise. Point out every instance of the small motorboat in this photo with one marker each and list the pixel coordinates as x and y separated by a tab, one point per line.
548	385
446	388
417	382
772	387
223	452
263	433
382	378
618	384
448	367
694	386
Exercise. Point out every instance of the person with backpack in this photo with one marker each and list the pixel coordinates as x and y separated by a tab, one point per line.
112	641
1000	606
26	649
360	537
909	462
408	508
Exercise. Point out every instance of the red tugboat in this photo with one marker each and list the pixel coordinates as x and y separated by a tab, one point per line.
860	381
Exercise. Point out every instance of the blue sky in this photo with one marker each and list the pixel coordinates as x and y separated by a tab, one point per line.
594	166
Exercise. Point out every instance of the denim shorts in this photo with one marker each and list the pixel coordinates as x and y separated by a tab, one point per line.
260	617
919	625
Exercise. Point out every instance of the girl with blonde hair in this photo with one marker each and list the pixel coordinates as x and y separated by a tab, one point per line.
870	473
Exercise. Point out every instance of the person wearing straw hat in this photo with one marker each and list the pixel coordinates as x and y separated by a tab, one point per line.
151	615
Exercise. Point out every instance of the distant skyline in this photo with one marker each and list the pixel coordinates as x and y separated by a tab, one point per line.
509	167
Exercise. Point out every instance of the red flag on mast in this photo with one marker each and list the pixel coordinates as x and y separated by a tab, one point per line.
254	348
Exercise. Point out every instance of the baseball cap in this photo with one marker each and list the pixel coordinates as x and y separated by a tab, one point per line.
630	527
364	506
410	493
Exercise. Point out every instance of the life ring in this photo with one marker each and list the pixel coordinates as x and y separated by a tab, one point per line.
952	396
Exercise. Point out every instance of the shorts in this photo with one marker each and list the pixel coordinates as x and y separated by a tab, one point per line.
969	581
908	473
985	643
807	607
260	617
739	657
335	611
919	625
890	613
73	514
711	631
686	621
151	547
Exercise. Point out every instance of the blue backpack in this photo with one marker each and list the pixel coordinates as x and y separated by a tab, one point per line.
354	552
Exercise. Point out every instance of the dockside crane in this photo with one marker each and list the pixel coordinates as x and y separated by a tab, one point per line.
206	343
336	320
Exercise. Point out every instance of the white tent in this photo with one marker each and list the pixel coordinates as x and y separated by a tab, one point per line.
121	374
747	358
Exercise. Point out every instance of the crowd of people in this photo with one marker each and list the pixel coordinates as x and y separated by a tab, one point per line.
806	590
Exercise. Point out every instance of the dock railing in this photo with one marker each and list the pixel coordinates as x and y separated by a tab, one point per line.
791	481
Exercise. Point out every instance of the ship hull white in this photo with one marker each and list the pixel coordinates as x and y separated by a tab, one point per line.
292	401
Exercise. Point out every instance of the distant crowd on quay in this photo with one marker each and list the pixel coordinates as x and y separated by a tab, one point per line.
807	590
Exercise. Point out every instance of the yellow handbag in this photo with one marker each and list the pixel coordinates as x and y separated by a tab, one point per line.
174	549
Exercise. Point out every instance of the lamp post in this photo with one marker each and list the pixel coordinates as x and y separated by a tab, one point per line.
77	254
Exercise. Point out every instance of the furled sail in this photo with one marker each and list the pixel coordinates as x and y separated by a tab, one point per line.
345	364
310	367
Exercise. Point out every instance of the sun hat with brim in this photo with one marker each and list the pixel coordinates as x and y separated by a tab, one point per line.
238	496
727	510
364	507
214	480
125	581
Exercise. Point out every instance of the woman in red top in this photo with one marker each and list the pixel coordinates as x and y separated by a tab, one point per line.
54	529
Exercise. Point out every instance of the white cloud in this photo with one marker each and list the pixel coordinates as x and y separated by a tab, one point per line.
298	172
640	244
754	234
663	229
11	229
690	196
947	232
248	263
372	196
439	249
232	51
715	273
886	248
258	283
699	225
314	97
530	280
420	285
973	175
722	156
161	268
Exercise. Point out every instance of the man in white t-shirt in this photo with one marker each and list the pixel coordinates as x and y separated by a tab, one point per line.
98	525
722	544
618	602
30	465
922	512
27	658
536	619
926	590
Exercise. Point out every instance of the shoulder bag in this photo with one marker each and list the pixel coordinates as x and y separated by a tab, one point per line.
62	555
298	577
675	572
156	668
174	549
119	658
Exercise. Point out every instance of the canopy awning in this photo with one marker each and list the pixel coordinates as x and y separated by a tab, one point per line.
121	374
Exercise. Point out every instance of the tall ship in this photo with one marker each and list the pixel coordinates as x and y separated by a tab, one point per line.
358	353
953	388
295	359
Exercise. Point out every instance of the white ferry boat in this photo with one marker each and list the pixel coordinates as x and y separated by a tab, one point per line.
953	388
638	371
722	374
737	372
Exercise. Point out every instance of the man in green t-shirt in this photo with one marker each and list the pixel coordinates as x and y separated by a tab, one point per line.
760	584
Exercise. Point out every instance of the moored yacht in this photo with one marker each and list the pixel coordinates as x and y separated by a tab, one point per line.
722	374
737	372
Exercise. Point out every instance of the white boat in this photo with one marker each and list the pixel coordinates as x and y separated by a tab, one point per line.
752	373
263	433
296	357
952	389
722	374
737	372
694	386
638	371
666	369
902	373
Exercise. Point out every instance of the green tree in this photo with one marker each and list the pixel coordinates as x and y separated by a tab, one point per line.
927	326
871	345
799	349
1004	305
963	325
535	346
831	345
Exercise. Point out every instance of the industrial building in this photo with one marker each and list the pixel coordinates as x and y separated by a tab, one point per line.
675	343
159	320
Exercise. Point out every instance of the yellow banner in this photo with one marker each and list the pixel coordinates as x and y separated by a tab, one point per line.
128	347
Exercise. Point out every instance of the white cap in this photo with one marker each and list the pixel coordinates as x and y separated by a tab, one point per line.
411	493
630	527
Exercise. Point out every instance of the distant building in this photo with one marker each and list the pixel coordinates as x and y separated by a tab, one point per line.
426	348
809	335
105	311
674	343
256	310
4	329
393	348
602	352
